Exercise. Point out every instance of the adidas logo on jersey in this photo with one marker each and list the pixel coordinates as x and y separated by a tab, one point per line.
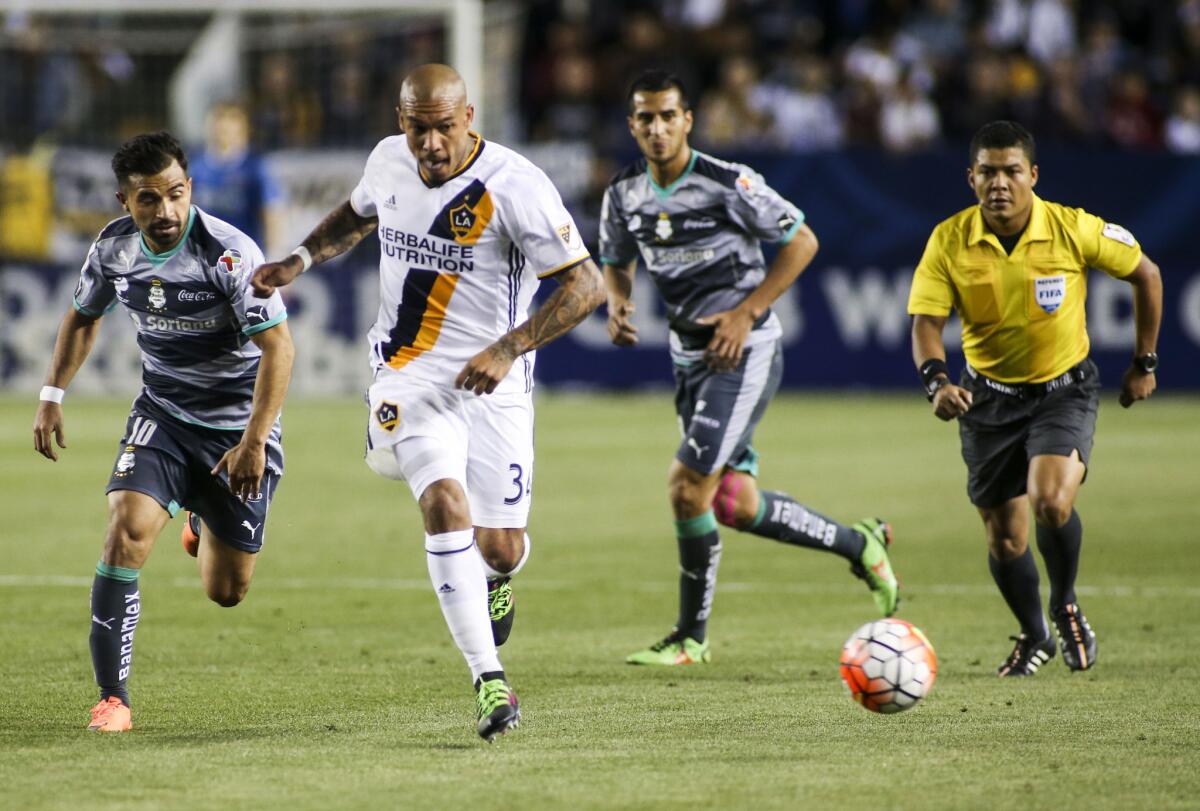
390	202
446	588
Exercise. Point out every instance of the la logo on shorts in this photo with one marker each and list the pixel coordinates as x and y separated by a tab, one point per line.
388	415
1050	292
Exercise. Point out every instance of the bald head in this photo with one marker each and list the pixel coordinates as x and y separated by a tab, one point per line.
436	119
433	83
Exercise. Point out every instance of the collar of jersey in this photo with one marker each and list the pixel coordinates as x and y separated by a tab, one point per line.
687	170
159	258
466	164
1038	229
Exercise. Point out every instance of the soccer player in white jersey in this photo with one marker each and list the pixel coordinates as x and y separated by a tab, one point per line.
466	229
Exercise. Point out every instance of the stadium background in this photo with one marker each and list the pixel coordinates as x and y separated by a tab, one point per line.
858	111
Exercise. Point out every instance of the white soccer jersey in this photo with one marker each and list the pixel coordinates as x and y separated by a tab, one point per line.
460	261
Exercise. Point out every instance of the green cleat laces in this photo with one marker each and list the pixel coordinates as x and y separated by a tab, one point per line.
496	708
502	609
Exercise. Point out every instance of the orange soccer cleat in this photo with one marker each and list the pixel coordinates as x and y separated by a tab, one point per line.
111	715
190	537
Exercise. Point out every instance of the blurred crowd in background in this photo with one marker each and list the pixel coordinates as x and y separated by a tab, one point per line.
801	75
902	74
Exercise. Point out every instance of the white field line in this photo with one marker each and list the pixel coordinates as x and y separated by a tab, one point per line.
396	584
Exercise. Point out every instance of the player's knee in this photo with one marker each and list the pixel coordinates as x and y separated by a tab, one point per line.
502	550
227	595
126	541
445	507
1006	548
687	497
1052	510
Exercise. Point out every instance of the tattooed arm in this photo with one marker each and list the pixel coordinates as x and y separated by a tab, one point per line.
337	233
581	290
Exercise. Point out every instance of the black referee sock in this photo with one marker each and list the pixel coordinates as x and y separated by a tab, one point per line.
116	607
1060	549
699	556
782	518
1018	582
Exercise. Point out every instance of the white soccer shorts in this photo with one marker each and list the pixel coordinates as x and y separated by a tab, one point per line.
419	432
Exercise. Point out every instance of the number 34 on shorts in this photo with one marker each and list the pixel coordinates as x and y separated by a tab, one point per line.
422	432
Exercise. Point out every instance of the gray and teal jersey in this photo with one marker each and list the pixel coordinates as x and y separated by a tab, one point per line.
699	238
194	311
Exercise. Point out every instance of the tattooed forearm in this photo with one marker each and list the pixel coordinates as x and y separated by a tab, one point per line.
338	233
581	290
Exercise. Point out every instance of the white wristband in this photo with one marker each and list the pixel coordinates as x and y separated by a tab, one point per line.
305	257
52	394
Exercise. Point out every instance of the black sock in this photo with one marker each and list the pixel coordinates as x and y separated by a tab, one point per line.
1018	582
116	607
1060	549
782	518
699	556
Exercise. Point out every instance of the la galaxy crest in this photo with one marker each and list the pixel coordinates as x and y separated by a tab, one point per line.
462	220
465	217
388	415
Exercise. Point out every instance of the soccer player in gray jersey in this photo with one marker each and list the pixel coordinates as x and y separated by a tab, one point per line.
697	223
204	432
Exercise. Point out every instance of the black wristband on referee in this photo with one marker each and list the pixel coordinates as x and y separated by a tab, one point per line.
930	369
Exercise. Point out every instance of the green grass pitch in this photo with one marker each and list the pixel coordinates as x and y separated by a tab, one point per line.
335	685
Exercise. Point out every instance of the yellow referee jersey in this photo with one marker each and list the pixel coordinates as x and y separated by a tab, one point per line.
1023	315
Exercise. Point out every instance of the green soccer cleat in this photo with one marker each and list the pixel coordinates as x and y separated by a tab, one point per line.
502	609
496	708
674	649
874	566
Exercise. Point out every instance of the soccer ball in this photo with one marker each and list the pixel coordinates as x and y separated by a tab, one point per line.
888	665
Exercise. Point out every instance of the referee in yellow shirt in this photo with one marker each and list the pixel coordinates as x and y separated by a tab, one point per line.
1014	268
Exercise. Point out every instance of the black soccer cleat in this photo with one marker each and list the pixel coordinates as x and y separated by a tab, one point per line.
1076	637
502	609
1027	656
496	706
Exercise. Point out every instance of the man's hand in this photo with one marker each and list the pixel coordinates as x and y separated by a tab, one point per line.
724	351
483	373
49	420
245	463
951	401
621	330
1136	385
275	274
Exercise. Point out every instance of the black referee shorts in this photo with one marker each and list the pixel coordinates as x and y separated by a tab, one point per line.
1001	432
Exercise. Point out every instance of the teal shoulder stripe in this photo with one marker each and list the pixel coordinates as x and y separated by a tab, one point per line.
786	238
116	572
266	325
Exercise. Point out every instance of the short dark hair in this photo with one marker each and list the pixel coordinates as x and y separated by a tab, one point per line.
656	81
1001	135
147	154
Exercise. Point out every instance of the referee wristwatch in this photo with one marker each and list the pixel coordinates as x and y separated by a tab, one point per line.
1147	363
